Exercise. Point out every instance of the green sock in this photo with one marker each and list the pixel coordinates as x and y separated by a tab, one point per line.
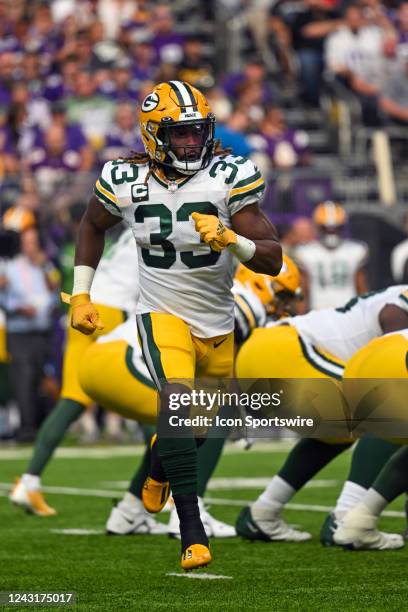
208	455
393	478
137	482
5	388
369	457
179	460
307	458
51	433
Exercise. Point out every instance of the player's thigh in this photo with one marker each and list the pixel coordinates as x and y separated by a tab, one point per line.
167	348
375	387
111	380
215	356
75	346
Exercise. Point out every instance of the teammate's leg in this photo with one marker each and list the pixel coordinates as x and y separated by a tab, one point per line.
369	456
359	526
27	491
281	353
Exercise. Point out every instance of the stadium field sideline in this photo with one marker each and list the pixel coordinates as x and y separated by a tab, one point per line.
70	552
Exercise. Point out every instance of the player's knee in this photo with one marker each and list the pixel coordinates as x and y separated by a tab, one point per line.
175	397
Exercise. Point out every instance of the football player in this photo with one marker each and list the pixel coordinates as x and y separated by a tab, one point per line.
311	346
333	266
128	389
115	292
353	522
191	207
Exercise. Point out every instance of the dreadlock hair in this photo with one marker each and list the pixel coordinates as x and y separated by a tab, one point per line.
139	158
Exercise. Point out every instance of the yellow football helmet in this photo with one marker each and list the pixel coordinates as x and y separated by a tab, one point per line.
177	127
329	214
270	289
330	218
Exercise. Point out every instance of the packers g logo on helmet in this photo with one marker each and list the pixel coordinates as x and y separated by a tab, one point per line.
177	127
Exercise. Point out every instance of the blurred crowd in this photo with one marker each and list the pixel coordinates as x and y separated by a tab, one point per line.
73	74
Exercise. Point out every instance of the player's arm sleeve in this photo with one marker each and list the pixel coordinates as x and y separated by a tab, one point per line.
248	186
105	192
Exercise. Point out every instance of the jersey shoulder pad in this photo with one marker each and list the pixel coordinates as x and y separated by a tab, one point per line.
248	186
241	178
119	183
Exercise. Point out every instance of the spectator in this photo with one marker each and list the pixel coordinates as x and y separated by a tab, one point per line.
195	67
253	75
9	163
52	161
28	299
93	111
355	54
120	87
232	133
124	135
142	57
394	96
309	30
285	147
166	42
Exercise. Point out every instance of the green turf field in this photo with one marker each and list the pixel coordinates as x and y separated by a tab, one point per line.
132	573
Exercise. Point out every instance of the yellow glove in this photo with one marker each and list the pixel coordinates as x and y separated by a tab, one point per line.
84	316
213	231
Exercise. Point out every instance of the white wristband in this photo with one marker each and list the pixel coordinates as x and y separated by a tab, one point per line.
243	249
83	277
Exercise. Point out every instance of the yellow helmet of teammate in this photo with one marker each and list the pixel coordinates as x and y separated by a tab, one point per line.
330	218
273	291
329	214
177	127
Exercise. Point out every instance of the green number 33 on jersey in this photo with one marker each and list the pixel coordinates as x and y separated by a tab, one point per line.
160	238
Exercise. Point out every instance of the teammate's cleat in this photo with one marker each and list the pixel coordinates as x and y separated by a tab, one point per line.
358	531
156	490
195	556
213	527
132	519
155	494
327	530
31	501
269	527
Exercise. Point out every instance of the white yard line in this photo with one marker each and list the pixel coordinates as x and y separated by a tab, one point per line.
230	484
200	576
108	452
215	501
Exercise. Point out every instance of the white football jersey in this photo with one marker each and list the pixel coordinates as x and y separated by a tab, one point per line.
331	272
342	331
178	274
116	280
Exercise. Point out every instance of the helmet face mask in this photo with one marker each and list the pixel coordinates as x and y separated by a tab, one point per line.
188	145
177	127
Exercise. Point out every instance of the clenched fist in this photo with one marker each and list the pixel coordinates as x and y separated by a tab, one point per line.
213	231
